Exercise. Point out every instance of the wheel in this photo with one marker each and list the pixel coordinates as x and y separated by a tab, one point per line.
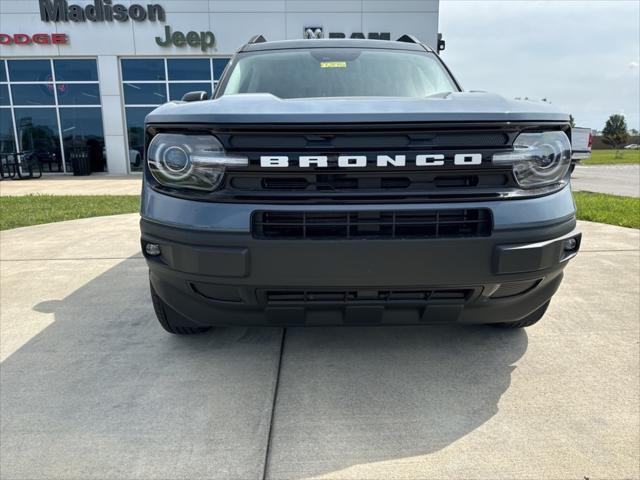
171	320
572	168
527	321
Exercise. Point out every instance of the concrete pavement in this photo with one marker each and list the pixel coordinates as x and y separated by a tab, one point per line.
91	387
96	184
613	179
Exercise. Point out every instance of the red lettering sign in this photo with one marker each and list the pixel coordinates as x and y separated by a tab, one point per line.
41	39
37	38
21	39
59	38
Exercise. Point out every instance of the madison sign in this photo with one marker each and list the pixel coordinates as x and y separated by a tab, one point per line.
99	11
107	11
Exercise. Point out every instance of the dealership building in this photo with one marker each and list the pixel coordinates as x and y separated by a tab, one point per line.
82	75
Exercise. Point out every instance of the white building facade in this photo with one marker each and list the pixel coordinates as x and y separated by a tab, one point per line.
84	74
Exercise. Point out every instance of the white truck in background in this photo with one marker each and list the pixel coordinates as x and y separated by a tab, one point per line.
581	142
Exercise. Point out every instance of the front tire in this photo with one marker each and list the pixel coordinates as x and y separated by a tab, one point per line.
527	321
171	320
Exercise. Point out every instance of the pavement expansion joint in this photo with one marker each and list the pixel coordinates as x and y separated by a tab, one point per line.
267	451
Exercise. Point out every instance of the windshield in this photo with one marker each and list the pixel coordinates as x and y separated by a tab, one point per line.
338	72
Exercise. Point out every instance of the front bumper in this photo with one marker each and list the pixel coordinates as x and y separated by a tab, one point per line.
216	278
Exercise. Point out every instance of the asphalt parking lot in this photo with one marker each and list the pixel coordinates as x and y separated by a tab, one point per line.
613	179
91	387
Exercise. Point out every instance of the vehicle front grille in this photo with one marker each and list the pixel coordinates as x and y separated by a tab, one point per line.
351	225
363	295
327	183
384	182
341	139
372	184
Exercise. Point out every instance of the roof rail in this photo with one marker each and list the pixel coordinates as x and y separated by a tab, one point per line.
407	38
256	39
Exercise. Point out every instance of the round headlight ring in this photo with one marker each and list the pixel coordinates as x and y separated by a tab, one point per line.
180	161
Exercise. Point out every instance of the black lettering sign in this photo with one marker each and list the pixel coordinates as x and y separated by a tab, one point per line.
99	11
379	36
55	11
120	13
137	13
204	40
76	13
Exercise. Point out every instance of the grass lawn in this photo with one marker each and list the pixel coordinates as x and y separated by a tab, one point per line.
606	157
611	209
36	209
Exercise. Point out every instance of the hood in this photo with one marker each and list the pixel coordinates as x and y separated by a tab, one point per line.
255	108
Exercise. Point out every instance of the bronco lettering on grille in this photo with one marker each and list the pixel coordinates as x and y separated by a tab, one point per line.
361	161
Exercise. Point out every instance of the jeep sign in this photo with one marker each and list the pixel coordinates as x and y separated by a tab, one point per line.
204	40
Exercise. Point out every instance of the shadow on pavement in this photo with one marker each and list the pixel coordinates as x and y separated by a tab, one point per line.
360	395
103	392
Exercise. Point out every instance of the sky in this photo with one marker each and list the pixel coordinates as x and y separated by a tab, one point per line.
582	55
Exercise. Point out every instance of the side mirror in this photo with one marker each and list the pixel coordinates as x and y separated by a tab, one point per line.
195	96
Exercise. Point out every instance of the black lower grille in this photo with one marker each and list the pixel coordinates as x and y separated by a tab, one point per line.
361	295
448	223
366	186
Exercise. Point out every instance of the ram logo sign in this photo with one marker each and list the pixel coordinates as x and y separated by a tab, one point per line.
318	32
313	32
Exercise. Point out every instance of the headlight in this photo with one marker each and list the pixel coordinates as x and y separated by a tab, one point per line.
190	161
538	159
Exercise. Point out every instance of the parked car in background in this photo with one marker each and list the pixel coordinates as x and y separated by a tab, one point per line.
633	146
134	158
581	143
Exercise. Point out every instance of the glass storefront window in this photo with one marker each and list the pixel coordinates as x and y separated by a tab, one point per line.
29	70
75	70
38	131
3	72
135	133
45	111
82	129
189	69
143	69
177	90
78	93
219	65
7	142
145	93
4	94
144	86
33	94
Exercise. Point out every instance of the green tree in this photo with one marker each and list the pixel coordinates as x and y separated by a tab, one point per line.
615	133
572	121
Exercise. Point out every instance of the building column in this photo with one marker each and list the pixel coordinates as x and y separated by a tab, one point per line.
112	115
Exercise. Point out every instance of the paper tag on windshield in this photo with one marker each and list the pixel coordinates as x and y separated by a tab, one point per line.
333	64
